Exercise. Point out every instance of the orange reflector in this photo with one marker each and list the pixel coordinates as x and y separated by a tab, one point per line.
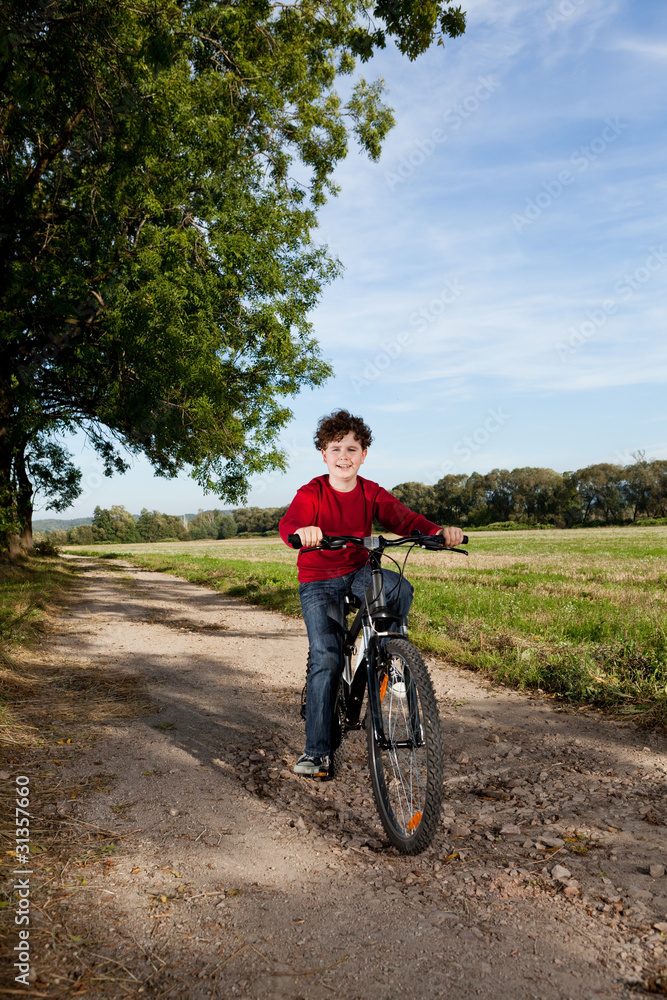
383	686
415	821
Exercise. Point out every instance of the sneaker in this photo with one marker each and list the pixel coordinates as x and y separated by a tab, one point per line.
396	683
312	767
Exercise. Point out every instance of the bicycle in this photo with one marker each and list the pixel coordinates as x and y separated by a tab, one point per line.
402	722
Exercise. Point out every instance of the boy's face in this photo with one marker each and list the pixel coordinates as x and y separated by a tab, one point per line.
344	458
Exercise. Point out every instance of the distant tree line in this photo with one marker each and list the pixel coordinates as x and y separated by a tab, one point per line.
117	525
262	520
598	494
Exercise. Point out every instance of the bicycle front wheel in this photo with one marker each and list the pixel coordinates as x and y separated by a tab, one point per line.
406	773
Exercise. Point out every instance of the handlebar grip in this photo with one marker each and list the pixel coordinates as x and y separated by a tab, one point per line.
294	541
465	540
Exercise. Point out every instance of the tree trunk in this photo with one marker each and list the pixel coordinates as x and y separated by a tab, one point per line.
10	542
24	499
16	493
26	536
13	546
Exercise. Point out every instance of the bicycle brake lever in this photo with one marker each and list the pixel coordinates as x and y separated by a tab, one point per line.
436	547
325	546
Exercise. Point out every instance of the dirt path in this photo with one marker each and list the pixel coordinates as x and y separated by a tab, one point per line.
235	878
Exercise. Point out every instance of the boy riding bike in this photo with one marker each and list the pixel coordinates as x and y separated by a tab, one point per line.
341	503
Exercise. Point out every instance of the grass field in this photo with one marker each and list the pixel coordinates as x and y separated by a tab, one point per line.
26	590
582	614
29	590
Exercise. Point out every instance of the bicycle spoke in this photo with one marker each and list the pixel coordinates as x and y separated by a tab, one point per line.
406	787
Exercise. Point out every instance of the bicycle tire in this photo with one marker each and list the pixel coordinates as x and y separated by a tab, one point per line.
304	690
407	782
337	758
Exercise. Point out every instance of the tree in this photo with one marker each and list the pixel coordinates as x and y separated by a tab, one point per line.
227	527
416	496
638	483
47	472
658	499
152	526
114	525
645	487
450	503
499	490
568	508
474	501
535	494
600	492
212	524
102	526
81	534
157	265
204	525
259	519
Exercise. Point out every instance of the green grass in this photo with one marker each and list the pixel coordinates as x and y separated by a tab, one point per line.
581	614
27	588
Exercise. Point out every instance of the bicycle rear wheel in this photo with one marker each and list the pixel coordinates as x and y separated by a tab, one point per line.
338	734
407	780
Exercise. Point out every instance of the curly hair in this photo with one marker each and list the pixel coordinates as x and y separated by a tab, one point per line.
336	425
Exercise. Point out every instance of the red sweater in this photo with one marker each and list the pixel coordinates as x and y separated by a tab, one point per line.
338	513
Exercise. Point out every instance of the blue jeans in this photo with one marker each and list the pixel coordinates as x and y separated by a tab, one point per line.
322	606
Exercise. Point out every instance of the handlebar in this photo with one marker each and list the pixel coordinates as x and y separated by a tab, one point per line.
333	542
328	542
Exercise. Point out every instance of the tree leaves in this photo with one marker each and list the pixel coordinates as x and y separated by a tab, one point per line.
157	262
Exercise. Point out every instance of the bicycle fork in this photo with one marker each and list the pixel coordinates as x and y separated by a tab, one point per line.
365	677
384	741
356	678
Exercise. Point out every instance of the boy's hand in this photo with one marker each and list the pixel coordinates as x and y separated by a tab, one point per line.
310	536
452	536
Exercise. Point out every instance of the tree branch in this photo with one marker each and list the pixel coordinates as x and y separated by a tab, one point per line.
47	158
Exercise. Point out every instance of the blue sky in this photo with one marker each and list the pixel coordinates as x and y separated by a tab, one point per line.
505	290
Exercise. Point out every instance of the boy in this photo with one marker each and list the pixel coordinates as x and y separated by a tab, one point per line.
341	503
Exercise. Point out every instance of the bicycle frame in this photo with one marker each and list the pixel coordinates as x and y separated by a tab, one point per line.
372	612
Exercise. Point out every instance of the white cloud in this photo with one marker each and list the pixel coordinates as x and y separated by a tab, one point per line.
641	48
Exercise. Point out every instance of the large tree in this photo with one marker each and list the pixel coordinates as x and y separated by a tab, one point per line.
600	492
162	164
